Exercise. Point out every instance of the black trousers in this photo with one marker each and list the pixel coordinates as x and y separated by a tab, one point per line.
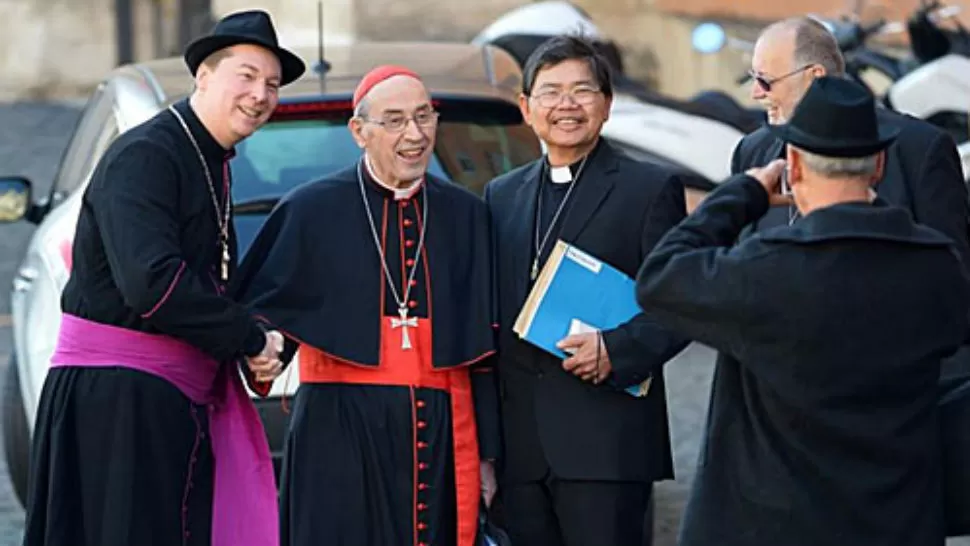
555	512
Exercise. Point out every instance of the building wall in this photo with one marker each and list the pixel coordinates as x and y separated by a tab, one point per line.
63	47
58	48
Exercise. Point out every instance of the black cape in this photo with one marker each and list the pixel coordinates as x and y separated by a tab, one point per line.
308	283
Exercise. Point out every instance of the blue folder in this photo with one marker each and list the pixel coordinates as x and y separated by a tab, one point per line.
576	293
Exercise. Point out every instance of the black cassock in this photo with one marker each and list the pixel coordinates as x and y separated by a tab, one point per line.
383	446
122	457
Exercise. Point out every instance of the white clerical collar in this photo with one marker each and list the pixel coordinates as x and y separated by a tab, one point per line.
399	193
560	175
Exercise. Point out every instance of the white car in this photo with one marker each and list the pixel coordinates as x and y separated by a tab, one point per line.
480	136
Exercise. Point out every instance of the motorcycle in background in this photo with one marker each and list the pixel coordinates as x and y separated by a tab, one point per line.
934	84
695	137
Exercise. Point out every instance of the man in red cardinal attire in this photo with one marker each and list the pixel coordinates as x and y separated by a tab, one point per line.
380	276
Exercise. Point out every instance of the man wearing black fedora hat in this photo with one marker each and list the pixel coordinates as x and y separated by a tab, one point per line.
824	419
145	434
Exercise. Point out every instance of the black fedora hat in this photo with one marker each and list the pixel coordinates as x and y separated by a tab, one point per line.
836	118
244	27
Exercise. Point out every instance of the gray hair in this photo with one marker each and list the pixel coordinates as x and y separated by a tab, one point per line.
814	44
840	167
363	107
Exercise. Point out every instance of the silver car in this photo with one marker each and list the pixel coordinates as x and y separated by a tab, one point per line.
481	135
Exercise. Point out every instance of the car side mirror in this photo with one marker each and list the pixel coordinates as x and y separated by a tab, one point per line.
15	202
708	38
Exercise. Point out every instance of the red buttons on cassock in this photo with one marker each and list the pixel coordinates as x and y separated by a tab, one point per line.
409	262
420	403
404	203
422	445
409	243
412	304
422	486
422	507
414	282
422	526
422	466
422	424
407	222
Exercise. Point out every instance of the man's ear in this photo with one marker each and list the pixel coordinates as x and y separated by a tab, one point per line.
202	78
794	166
880	168
524	108
356	127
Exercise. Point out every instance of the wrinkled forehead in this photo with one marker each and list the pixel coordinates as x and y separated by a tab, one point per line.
399	94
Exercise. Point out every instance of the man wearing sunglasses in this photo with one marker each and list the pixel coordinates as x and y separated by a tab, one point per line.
923	172
922	175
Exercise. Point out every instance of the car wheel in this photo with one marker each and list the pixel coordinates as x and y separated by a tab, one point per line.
16	436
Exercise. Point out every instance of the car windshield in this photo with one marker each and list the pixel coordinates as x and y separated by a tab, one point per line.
476	141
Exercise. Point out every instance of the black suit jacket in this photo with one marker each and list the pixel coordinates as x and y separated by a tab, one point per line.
922	175
618	212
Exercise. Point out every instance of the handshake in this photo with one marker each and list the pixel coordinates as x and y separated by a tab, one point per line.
266	366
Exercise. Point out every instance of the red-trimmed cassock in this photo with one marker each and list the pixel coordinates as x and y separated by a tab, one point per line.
392	415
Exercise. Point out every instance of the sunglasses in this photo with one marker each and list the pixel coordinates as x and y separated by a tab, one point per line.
766	83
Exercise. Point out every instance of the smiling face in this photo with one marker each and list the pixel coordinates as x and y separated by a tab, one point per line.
773	61
566	107
396	128
238	89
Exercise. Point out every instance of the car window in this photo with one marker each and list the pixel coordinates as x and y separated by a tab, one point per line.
476	141
83	151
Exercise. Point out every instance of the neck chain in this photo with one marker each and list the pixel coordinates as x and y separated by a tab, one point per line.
402	303
541	245
223	221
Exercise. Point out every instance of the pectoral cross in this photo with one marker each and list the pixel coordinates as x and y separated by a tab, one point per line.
403	324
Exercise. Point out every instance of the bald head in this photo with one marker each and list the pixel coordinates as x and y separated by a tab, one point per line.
808	42
787	57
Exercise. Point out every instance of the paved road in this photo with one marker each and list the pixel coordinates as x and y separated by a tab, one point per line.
32	137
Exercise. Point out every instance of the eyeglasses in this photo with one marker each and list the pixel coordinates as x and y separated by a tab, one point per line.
396	123
766	83
581	94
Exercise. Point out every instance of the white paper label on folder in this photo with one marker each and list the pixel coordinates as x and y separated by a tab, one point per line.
584	259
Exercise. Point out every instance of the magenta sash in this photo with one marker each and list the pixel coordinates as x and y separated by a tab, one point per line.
244	506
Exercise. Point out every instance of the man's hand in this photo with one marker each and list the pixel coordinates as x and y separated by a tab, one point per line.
770	178
590	360
266	365
489	482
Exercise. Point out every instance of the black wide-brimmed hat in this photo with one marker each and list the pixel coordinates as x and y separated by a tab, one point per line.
836	118
244	27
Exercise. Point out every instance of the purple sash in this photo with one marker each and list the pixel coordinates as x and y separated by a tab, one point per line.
244	507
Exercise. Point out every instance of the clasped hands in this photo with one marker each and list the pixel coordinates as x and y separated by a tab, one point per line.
266	366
